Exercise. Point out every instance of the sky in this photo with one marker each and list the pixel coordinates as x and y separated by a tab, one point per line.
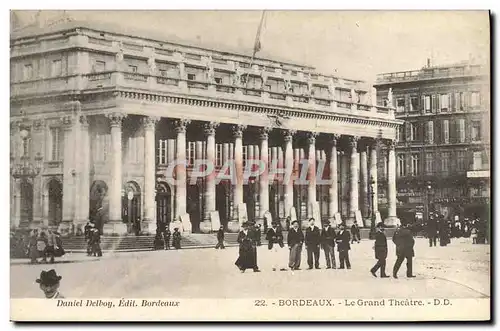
353	44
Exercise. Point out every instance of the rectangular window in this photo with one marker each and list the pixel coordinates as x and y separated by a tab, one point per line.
414	131
245	156
191	152
162	152
56	68
461	130
400	105
429	163
427	104
477	161
218	80
413	104
99	66
163	73
132	68
446	131
401	165
191	77
430	132
445	102
401	136
462	101
434	103
461	161
445	162
56	141
415	165
475	99
28	72
218	155
475	131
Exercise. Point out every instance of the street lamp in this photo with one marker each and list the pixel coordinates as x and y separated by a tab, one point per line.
372	211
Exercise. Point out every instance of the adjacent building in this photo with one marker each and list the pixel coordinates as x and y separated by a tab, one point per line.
443	149
98	117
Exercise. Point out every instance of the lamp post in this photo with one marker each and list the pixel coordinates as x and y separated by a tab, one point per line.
428	188
372	211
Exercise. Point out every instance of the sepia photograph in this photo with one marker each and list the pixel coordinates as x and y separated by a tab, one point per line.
251	165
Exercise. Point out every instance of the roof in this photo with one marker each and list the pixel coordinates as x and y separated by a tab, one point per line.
68	24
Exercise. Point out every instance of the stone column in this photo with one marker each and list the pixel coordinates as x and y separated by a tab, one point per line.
210	194
45	209
115	224
38	135
354	202
392	218
181	175
264	176
84	160
373	182
363	156
311	174
333	191
288	171
238	163
69	175
149	222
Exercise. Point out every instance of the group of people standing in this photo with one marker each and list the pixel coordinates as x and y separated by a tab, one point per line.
162	238
44	244
314	240
93	239
445	230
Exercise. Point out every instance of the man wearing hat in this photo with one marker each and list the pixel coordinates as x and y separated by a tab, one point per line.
274	238
380	248
247	258
295	240
49	283
403	239
312	240
343	246
328	244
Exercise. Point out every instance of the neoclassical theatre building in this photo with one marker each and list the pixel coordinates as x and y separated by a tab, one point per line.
98	116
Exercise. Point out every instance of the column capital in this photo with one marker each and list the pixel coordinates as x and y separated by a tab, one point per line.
353	141
84	121
375	143
38	124
311	137
264	132
116	119
238	130
288	134
334	138
391	143
67	121
210	127
181	124
149	122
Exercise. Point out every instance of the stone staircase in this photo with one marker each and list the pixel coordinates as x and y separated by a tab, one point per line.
144	243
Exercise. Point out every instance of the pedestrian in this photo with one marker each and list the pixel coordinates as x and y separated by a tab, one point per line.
96	242
380	248
176	239
49	284
432	231
51	244
328	244
41	245
247	259
295	240
312	240
166	237
403	239
59	249
355	232
158	241
33	246
443	232
220	238
274	238
137	227
473	234
258	234
343	238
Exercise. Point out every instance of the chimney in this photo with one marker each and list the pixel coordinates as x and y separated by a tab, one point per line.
428	62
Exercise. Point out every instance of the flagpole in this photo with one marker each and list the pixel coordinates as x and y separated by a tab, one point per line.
255	50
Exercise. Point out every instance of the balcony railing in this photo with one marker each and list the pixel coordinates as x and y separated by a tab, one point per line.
429	73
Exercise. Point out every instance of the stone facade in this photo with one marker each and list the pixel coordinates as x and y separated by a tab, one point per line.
110	114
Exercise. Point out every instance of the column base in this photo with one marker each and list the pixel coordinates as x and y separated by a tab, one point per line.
148	227
392	221
114	228
206	226
233	226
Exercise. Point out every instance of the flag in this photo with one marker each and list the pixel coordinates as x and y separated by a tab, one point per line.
258	45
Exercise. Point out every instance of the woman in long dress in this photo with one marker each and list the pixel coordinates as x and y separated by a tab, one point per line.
247	256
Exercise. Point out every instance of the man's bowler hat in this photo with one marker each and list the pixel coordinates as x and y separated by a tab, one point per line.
48	277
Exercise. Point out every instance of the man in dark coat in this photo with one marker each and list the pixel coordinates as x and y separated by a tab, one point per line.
87	231
403	239
343	246
432	230
176	239
274	237
220	238
380	248
328	244
247	259
295	240
166	237
355	233
312	240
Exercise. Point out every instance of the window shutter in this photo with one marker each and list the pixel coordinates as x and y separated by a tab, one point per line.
433	103
466	100
438	103
408	131
422	103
